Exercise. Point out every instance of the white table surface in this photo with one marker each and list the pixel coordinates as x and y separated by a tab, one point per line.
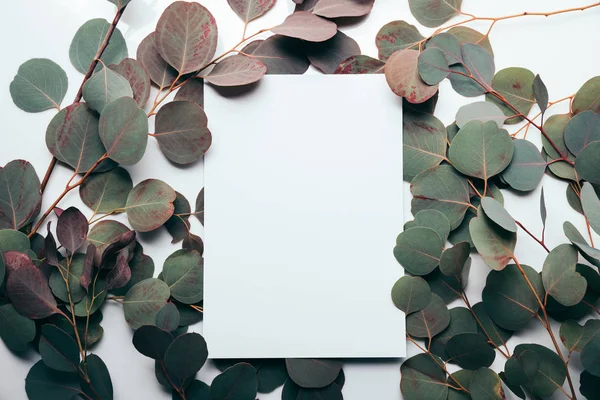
562	49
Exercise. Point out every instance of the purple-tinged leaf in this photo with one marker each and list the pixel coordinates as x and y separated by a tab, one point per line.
402	75
343	8
30	294
182	131
72	229
249	10
103	234
50	247
280	54
106	192
88	266
58	211
360	65
161	73
306	26
138	78
123	241
193	91
150	204
144	300
193	242
236	70
14	260
120	274
327	55
186	36
20	197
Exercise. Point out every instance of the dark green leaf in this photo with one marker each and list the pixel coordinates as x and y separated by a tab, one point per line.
273	373
152	341
516	389
183	271
470	351
291	391
424	143
448	288
167	318
589	385
236	383
463	377
418	250
11	240
461	321
15	330
85	306
106	192
144	300
560	279
396	35
100	386
526	168
312	373
575	336
73	272
454	259
590	356
422	378
541	370
196	390
20	197
87	42
411	294
486	385
193	242
43	383
581	130
40	84
185	356
59	351
516	86
429	321
487	327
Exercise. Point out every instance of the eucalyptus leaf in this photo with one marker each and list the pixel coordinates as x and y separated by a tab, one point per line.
418	250
281	55
486	385
433	66
144	300
30	294
423	378
588	163
152	341
249	10
327	55
238	382
106	192
489	328
402	75
15	330
197	390
100	386
540	93
397	35
306	26
473	77
12	240
589	385
104	87
433	13
449	45
516	86
88	40
465	34
424	143
461	321
586	97
72	229
497	213
291	391
432	219
192	91
178	225
20	197
480	111
160	72
186	355
591	206
138	78
40	84
236	70
149	205
59	351
168	318
589	253
560	279
411	294
527	167
429	321
575	336
495	244
470	351
582	130
544	371
360	64
103	234
44	383
454	259
72	271
343	8
183	272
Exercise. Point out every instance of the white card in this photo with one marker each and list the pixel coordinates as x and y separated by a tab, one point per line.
303	203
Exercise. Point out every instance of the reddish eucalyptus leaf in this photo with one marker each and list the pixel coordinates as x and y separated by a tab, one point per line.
306	26
193	91
20	197
50	248
30	294
123	241
120	275
360	65
182	131
150	205
160	72
186	36
343	8
72	229
402	75
14	260
236	71
58	211
280	54
327	55
88	264
103	234
138	78
248	10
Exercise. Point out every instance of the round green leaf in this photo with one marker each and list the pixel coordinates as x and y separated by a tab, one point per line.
272	373
418	250
560	279
497	213
161	73
312	373
30	294
291	391
20	198
587	97
526	168
433	66
360	64
100	385
454	259
429	321
236	383
149	205
186	36
138	78
182	132
588	163
423	378
447	287
106	192
470	351
152	341
591	206
478	66
481	150
516	85
480	111
87	42
495	244
411	294
123	129
11	240
449	45
186	355
183	271
555	129
464	377
544	372
402	75
461	321
486	385
15	330
582	129
73	274
196	390
507	298
396	35
58	349
575	336
488	328
468	35
589	253
432	219
143	301
43	383
104	87
40	84
443	189
424	143
433	13
168	318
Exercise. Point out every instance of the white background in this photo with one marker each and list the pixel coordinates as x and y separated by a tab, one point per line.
562	49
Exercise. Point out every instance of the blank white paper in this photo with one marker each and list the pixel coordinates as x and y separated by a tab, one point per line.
303	203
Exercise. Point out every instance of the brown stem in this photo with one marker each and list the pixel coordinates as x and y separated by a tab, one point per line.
179	390
87	76
541	242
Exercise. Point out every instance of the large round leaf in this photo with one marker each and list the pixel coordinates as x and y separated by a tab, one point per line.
235	383
40	84
455	259
537	369
168	318
87	42
186	355
327	55
236	70
590	356
138	78
411	294
461	321
306	26
481	150
123	130
429	321
433	66
281	55
516	86
182	132
424	143
161	73
149	205
527	167
11	240
423	378
152	341
449	45
20	197
582	129
197	390
100	383
560	279
312	373
402	75
106	192
470	351
474	76
30	294
433	13
248	10
72	229
396	35
575	337
465	34
186	36
489	328
72	137
443	189
588	163
15	330
58	349
486	385
143	301
587	97
418	250
44	383
104	87
432	219
184	273
508	299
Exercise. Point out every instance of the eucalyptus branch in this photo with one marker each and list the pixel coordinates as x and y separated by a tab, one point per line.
528	124
539	241
87	76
